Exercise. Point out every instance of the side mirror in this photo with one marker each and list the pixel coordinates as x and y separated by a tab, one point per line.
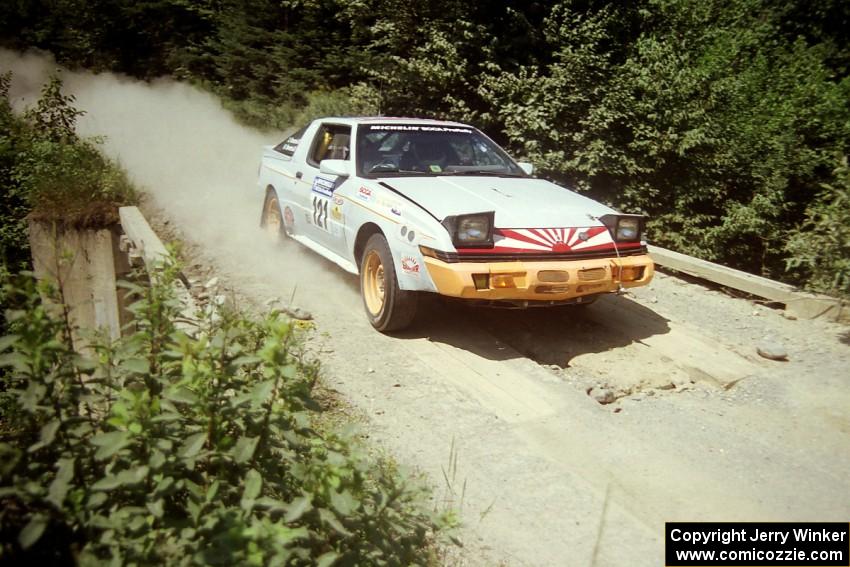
338	167
527	167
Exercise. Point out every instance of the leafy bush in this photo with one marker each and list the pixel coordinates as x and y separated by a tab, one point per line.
171	447
357	100
72	183
281	114
260	112
63	177
14	246
820	246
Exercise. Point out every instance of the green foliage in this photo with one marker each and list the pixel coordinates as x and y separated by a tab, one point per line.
138	38
176	448
54	117
265	58
14	246
356	100
820	247
63	177
72	182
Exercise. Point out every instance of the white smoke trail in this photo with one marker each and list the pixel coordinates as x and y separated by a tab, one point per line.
198	164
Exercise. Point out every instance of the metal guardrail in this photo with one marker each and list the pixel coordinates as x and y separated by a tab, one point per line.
139	240
798	303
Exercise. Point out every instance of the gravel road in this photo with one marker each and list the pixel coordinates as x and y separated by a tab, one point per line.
577	433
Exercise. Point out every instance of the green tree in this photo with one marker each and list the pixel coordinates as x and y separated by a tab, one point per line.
820	246
14	247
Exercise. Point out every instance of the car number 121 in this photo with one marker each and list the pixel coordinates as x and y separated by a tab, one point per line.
320	212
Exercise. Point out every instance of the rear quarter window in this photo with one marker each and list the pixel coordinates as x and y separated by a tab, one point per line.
289	145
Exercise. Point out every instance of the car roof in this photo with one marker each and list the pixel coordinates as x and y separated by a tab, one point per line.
383	119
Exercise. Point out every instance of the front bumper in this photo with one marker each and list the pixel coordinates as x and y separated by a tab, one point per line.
554	280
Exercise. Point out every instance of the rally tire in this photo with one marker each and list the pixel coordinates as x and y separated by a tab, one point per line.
271	219
387	307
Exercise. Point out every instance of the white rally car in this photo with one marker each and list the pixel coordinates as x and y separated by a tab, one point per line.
417	206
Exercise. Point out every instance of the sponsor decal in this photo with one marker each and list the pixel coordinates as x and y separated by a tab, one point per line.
338	200
323	186
364	193
410	266
336	213
289	146
391	204
288	217
583	236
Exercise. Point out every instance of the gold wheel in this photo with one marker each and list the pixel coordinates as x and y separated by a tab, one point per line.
388	307
373	283
273	222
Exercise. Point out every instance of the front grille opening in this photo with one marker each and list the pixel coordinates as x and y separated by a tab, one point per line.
553	276
591	274
552	289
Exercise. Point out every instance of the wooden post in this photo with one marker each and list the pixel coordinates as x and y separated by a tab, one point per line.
82	263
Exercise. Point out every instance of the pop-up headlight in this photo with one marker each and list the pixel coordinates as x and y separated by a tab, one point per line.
624	228
471	231
628	229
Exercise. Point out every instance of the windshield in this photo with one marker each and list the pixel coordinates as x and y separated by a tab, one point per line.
385	150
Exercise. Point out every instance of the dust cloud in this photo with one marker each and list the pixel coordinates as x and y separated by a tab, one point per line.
196	163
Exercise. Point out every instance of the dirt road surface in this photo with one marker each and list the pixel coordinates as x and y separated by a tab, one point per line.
700	427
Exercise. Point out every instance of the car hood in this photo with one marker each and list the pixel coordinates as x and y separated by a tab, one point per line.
518	202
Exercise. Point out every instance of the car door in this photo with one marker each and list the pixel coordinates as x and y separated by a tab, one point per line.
322	212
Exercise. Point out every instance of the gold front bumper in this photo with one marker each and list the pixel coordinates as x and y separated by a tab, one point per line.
557	280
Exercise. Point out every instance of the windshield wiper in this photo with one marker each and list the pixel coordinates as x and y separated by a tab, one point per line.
481	173
384	168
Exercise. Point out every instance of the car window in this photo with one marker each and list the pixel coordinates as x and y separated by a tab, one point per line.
332	141
471	151
416	149
289	145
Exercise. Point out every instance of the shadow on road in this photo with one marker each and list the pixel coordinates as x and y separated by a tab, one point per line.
546	335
